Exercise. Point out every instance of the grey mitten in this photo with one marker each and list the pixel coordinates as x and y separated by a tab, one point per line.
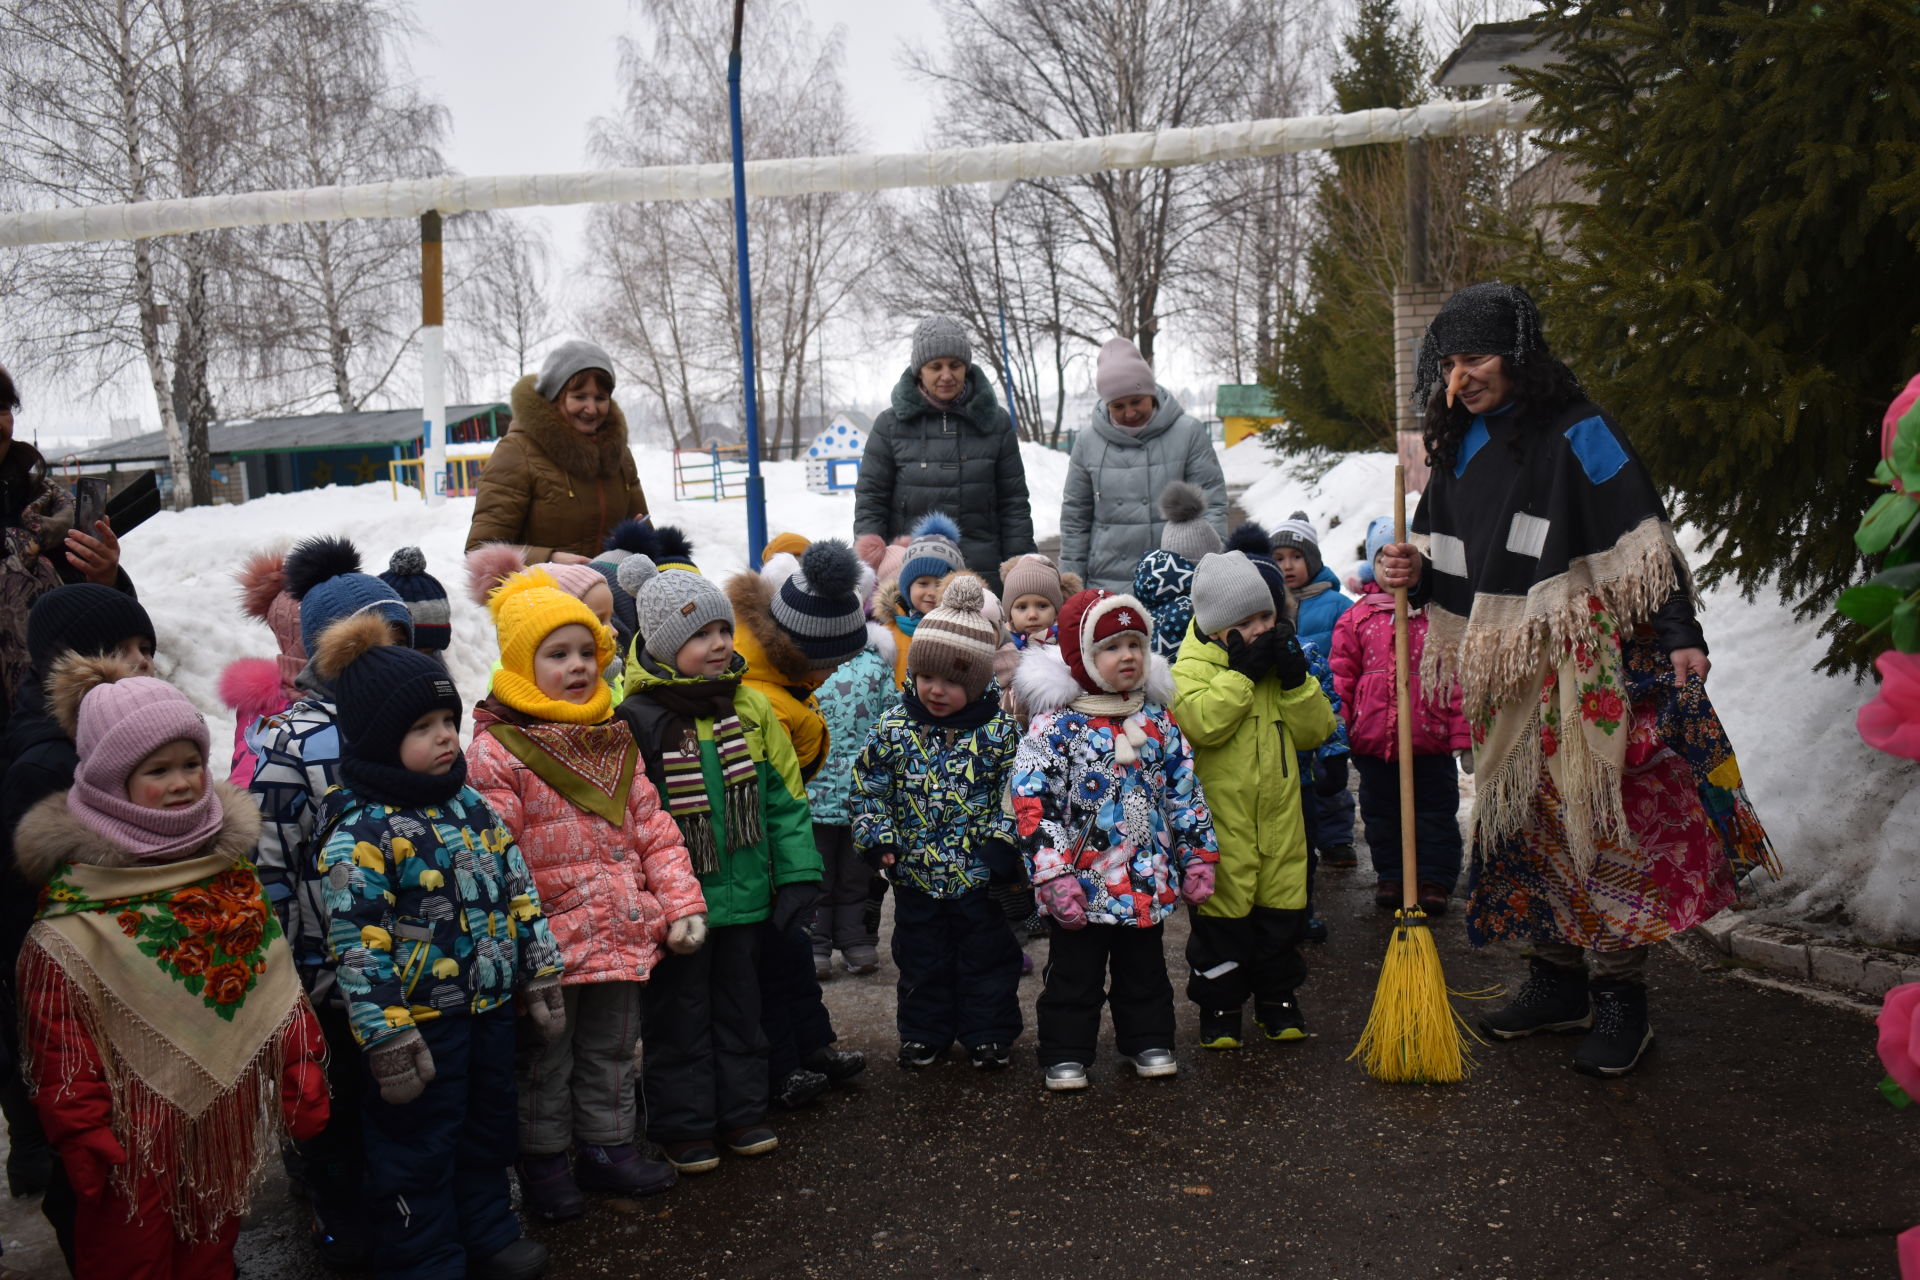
402	1066
546	1006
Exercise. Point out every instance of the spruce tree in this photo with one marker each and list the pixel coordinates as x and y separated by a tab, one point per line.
1743	289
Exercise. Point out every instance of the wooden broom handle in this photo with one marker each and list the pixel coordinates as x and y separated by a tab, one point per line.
1403	697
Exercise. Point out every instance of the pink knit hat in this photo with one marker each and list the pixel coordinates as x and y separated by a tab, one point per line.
576	579
1122	371
117	720
263	594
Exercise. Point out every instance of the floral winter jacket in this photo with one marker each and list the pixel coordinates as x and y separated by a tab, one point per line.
934	796
852	700
1363	675
608	891
432	911
1128	831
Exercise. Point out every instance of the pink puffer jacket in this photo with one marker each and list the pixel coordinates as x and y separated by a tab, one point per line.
608	892
1362	662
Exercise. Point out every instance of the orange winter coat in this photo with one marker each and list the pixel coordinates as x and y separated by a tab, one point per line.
608	890
549	488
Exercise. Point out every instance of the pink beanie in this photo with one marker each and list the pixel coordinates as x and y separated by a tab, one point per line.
576	579
118	720
1122	371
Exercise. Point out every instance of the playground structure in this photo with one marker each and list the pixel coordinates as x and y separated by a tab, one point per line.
833	458
716	473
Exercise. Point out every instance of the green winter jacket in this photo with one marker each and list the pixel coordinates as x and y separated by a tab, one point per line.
741	891
1244	736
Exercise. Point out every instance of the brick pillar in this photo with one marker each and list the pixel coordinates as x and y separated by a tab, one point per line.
1413	308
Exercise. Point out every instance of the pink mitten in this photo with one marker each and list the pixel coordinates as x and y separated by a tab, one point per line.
1065	900
1196	886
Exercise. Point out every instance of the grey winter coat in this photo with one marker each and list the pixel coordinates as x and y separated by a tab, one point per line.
1110	513
964	461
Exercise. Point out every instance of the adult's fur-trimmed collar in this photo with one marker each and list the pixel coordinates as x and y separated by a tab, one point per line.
583	457
50	835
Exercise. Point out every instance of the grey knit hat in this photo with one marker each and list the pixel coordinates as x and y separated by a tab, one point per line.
1226	589
1297	532
1186	532
567	359
670	606
819	607
938	336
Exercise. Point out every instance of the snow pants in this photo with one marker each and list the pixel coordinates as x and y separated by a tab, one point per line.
1259	951
1141	995
437	1166
793	1014
704	1059
959	969
839	921
1436	816
580	1087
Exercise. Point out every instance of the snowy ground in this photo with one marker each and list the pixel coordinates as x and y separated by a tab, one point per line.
1844	817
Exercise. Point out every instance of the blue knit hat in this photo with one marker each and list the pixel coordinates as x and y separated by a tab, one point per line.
1379	534
934	551
323	574
425	598
380	688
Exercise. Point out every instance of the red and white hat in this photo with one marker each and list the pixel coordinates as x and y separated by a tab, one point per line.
1088	620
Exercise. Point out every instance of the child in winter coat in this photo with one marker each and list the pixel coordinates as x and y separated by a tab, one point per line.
932	554
1034	589
1316	588
716	751
1363	673
437	930
613	877
852	700
927	807
165	1034
1163	580
255	688
298	761
1246	705
1114	828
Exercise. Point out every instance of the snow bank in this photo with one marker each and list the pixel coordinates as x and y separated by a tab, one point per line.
1845	818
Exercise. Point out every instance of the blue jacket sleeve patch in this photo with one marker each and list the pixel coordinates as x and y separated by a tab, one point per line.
1470	444
1600	455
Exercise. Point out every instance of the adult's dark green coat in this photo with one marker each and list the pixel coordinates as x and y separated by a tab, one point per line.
964	460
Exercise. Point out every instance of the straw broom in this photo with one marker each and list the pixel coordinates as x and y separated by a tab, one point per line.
1412	1035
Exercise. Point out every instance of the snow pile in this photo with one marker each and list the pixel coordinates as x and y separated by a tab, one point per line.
1843	816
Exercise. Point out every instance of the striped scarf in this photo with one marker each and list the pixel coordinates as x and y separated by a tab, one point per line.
684	791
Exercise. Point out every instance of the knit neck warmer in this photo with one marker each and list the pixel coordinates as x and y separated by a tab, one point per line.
689	700
1124	707
907	622
404	788
589	764
971	716
152	835
178	976
523	695
1313	589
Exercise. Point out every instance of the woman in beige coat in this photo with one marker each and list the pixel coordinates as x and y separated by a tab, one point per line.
563	475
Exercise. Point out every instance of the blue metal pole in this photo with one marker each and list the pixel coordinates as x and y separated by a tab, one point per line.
756	488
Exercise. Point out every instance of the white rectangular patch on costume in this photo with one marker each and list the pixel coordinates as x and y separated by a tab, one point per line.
1528	535
1449	555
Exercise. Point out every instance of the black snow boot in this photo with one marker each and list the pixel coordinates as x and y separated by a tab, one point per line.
1621	1032
1553	998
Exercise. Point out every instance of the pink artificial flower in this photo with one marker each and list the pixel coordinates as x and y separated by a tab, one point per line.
1890	424
1891	722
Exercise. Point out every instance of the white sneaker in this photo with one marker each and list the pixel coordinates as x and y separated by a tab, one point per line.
1065	1076
1154	1062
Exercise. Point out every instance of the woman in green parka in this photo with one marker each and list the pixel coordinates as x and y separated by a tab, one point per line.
727	774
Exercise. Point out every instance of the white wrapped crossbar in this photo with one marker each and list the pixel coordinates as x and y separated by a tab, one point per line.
952	167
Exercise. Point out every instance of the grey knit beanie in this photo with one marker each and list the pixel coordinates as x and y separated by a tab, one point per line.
1186	532
1226	589
670	606
567	359
938	336
1297	531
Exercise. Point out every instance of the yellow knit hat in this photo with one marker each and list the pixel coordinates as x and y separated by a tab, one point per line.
791	543
527	608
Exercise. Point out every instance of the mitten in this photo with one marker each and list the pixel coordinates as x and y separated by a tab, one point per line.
1333	776
1003	862
880	855
685	935
402	1066
1196	885
1290	662
1252	659
793	903
1065	900
1465	758
90	1158
546	1006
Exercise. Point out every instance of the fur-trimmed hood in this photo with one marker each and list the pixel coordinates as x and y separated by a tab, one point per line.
1043	682
584	457
50	835
768	647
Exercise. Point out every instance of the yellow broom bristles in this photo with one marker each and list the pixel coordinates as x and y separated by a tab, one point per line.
1413	1035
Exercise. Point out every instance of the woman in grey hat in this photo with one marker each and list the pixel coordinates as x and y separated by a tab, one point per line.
945	444
563	475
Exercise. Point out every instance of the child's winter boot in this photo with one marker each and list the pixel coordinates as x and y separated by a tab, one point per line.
1621	1032
1281	1019
548	1189
622	1171
524	1259
1553	998
1219	1028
